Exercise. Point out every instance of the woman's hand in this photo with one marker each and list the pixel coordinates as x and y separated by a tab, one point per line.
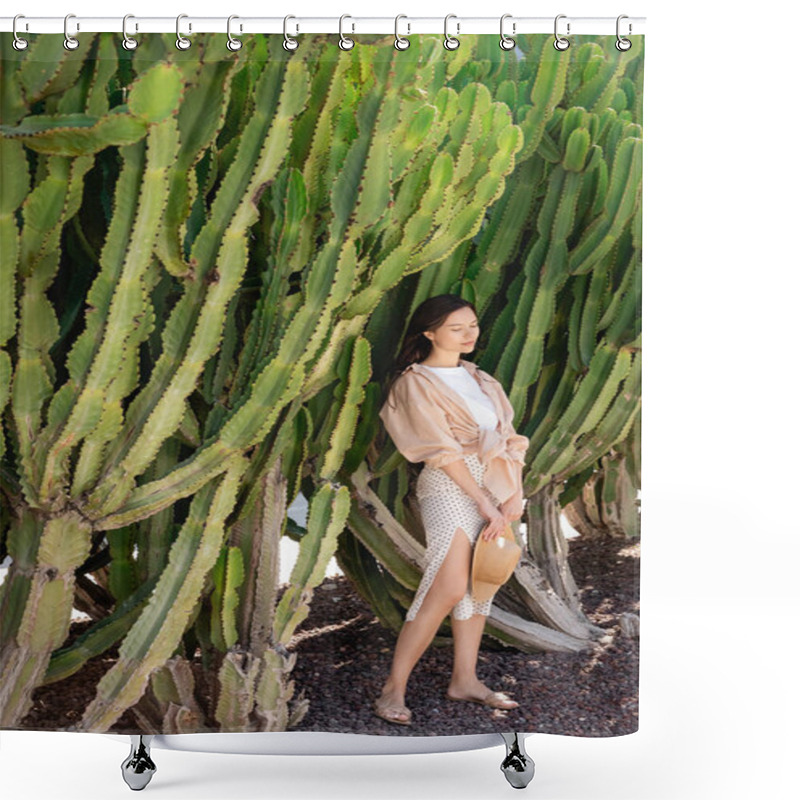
512	507
495	517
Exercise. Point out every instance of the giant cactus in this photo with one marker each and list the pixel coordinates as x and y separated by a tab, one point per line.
193	244
556	276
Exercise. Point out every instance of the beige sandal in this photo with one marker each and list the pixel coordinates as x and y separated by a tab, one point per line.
388	711
493	700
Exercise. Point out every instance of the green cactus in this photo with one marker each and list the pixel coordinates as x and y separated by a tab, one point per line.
556	273
226	224
237	236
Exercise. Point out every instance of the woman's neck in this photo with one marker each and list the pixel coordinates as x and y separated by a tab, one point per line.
443	364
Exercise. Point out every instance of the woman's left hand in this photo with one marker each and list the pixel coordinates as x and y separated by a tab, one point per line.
512	508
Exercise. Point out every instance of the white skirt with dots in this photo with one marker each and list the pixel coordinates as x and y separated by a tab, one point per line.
445	507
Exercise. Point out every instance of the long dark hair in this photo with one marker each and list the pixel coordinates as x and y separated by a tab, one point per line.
428	316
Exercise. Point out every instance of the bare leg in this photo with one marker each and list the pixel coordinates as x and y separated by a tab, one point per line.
467	634
464	683
447	589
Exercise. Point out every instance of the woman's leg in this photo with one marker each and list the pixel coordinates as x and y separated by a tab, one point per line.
467	635
447	589
464	682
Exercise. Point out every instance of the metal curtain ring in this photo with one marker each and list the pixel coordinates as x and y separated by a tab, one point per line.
450	42
399	42
127	42
288	42
623	44
506	42
560	42
344	42
70	42
19	44
182	43
233	43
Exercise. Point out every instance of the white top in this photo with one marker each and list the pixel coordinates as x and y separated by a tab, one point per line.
461	381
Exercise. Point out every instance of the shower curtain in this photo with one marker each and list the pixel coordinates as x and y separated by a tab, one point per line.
208	259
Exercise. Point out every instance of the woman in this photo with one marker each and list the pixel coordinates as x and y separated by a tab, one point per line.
444	411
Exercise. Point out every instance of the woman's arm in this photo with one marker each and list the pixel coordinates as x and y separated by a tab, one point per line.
460	474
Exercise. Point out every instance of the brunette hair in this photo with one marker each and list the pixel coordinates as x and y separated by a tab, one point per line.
428	316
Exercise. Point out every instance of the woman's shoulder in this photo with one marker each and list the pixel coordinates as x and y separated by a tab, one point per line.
407	386
473	368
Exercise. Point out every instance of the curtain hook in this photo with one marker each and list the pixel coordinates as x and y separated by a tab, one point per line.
344	42
399	42
288	42
70	42
19	44
623	44
506	42
233	43
450	42
127	42
561	43
182	43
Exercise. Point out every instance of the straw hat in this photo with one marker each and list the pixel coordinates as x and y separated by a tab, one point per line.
493	562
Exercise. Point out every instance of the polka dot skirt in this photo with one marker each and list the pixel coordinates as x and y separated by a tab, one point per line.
445	507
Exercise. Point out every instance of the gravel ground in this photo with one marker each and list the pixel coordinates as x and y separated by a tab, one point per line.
344	655
342	668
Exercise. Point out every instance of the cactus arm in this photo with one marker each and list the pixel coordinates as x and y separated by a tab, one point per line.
603	396
503	231
85	405
182	323
129	302
587	327
155	534
24	535
327	515
102	635
232	259
237	677
93	447
228	577
626	329
546	92
342	435
44	624
615	425
157	631
45	212
424	242
121	578
200	119
596	93
47	67
75	134
264	528
172	688
272	390
290	206
622	287
380	532
620	206
15	186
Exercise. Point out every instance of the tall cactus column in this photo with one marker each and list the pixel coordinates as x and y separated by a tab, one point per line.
45	555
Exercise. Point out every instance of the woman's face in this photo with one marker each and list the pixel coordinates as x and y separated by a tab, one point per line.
458	333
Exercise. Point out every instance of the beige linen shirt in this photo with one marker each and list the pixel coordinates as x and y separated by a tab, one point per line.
428	421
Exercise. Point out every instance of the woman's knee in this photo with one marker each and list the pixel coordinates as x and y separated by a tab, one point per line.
453	575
